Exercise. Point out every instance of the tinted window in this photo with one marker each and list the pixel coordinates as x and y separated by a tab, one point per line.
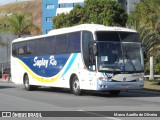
21	48
87	38
49	43
30	47
116	36
129	37
14	49
40	46
74	42
61	44
107	36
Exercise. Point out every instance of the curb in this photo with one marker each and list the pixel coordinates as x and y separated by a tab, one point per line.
145	91
6	81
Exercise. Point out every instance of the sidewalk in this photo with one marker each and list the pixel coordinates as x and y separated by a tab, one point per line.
2	80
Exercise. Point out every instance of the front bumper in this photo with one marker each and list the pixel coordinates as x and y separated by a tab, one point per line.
102	85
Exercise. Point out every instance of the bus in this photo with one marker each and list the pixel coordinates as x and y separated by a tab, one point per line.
84	57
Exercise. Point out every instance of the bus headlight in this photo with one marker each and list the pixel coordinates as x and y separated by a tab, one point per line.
103	79
141	78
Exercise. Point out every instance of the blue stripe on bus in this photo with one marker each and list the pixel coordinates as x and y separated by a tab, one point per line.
70	64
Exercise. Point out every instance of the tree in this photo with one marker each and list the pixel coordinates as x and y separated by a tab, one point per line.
146	20
69	19
19	23
106	12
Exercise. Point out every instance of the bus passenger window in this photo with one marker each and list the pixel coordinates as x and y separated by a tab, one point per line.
74	42
61	44
40	46
14	49
87	38
20	51
30	47
21	48
49	43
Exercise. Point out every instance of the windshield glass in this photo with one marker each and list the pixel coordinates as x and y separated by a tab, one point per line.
120	56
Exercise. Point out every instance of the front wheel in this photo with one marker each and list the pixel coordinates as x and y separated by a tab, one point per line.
75	86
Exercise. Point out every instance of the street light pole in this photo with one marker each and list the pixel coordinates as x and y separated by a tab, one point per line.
2	69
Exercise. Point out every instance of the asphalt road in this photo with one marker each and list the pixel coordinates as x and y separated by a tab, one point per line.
16	98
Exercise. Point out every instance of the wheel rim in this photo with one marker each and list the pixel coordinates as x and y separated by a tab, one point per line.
76	85
26	82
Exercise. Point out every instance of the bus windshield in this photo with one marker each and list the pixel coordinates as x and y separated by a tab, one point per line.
119	52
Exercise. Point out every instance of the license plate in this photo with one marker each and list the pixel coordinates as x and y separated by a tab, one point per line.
124	86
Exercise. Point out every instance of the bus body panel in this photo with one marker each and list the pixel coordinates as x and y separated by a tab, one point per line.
41	69
56	69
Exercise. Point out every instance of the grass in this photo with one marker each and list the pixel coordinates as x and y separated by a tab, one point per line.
152	84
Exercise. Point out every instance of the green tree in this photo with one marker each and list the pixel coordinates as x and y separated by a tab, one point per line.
106	12
146	20
19	23
69	19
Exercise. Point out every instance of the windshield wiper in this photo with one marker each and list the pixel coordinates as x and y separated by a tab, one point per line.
127	57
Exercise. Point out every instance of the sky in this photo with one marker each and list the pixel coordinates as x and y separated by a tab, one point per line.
2	2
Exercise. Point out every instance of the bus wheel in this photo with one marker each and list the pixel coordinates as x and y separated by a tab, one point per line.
75	86
114	92
26	83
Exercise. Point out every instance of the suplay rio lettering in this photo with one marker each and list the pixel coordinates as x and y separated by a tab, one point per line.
42	62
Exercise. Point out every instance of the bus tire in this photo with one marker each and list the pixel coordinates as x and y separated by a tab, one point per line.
75	86
114	92
27	86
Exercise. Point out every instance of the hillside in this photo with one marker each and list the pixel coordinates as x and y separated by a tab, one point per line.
34	6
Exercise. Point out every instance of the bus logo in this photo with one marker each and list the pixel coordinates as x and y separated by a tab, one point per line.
42	62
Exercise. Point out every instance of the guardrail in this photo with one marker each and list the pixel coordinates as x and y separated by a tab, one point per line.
154	76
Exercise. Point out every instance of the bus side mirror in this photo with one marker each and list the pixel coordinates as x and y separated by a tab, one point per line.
95	49
92	53
92	48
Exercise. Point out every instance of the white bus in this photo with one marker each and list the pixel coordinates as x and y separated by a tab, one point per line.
83	57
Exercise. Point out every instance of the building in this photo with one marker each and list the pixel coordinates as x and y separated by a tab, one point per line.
128	5
51	8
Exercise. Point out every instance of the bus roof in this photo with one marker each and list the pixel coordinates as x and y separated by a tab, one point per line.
88	27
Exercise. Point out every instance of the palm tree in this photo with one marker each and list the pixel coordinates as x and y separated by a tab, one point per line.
19	23
146	20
